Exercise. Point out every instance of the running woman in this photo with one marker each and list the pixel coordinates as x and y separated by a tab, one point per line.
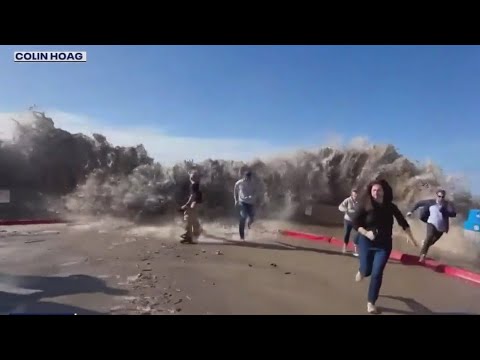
373	220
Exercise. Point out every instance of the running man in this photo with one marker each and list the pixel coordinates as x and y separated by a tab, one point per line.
245	194
190	215
436	213
348	208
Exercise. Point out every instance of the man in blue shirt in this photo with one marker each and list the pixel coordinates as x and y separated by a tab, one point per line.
436	213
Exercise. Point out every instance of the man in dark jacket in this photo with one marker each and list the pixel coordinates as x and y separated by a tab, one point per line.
436	213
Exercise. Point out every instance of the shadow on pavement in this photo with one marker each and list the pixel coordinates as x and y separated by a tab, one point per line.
270	246
15	304
49	287
415	307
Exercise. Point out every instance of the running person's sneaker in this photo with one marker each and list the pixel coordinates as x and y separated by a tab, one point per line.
186	239
372	309
355	250
421	259
344	249
358	277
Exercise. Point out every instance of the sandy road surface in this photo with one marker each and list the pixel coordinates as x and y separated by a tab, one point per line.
110	269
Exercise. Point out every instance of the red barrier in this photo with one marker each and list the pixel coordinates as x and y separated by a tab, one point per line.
462	274
396	255
408	259
305	235
405	259
336	242
30	222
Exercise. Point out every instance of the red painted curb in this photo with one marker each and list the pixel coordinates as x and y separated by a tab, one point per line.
408	259
462	274
396	255
405	259
31	222
337	243
304	235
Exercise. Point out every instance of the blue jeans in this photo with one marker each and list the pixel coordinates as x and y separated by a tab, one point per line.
246	211
373	260
348	226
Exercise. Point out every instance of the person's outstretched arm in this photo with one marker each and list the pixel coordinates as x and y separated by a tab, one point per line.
419	204
403	223
236	188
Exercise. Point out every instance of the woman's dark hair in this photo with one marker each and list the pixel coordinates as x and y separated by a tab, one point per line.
387	191
367	199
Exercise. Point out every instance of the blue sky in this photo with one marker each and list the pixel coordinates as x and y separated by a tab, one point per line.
227	100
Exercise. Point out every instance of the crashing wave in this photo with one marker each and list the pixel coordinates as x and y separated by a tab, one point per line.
74	173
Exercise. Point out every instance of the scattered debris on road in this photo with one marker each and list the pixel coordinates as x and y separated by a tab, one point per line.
34	241
144	309
133	278
70	263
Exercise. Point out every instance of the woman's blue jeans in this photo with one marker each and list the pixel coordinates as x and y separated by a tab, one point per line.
373	259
